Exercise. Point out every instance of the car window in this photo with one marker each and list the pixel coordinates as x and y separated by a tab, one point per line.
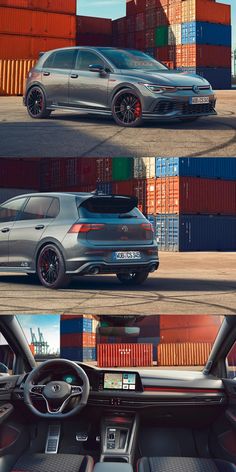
231	363
37	208
64	59
86	59
9	210
6	357
54	209
132	59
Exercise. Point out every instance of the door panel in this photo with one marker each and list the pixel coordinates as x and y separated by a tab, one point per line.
88	89
8	212
55	76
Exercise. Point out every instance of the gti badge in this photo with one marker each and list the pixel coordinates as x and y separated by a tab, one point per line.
196	89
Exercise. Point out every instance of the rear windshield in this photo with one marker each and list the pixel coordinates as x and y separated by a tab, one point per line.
109	207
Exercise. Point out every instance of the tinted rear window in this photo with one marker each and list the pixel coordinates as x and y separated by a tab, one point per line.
40	207
64	59
108	207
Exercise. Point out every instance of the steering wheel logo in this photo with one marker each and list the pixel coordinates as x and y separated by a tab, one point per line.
56	388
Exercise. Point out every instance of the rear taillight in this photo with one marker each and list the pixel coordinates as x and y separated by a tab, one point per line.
85	228
147	227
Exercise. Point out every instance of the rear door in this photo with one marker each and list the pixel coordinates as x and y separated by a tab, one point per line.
55	76
88	89
37	215
121	223
8	213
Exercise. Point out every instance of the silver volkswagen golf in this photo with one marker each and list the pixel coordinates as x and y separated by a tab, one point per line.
126	84
54	236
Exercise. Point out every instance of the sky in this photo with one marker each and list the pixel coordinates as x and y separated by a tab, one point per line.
116	8
49	325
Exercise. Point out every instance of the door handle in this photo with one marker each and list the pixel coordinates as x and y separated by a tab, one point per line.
39	227
74	76
5	230
46	73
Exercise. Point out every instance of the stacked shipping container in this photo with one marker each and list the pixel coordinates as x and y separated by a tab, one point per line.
78	337
93	31
190	201
28	27
194	35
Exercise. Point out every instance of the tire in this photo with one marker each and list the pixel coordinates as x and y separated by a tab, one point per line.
133	278
36	104
127	109
51	268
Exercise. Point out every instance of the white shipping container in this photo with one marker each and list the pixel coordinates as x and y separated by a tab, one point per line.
174	34
144	167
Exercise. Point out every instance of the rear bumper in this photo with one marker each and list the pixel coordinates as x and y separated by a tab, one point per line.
101	267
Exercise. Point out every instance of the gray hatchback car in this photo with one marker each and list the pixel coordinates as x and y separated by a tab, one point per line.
54	236
126	84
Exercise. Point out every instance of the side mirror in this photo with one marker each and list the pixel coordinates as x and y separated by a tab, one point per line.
97	68
3	368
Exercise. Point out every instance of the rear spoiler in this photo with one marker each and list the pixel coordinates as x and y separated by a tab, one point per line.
123	203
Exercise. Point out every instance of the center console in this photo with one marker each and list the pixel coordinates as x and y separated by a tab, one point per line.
103	467
118	438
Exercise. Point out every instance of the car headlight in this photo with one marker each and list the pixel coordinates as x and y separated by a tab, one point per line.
155	88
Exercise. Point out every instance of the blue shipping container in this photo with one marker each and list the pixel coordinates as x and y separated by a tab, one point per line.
196	232
205	167
79	353
197	32
76	325
219	77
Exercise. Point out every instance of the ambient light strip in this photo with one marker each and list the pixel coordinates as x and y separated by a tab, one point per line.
182	390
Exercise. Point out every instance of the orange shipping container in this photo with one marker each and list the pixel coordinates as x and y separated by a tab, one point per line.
205	10
193	55
124	355
183	354
194	328
60	6
36	23
78	340
28	47
175	13
12	76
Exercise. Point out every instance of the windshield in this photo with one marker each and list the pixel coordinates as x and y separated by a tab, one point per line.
158	342
131	59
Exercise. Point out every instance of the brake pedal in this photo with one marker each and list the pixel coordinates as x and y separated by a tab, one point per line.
81	437
53	438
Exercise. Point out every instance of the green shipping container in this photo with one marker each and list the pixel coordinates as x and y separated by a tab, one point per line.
161	36
122	168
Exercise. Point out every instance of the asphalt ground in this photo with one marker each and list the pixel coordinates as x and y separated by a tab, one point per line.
68	134
186	283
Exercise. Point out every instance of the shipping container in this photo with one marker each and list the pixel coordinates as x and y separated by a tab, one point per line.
210	168
124	355
13	74
104	169
161	36
26	173
183	354
122	168
36	23
78	340
92	25
195	55
205	11
86	354
105	188
196	233
88	39
54	6
191	195
28	47
219	77
144	167
7	193
76	324
189	329
206	33
174	34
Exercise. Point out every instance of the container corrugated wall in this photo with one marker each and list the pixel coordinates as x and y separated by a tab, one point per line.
13	74
124	355
183	354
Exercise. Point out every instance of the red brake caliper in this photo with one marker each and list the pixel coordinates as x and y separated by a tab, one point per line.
137	112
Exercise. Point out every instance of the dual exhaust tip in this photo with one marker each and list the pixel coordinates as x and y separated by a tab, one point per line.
96	270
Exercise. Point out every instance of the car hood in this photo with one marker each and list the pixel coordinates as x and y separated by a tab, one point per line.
169	77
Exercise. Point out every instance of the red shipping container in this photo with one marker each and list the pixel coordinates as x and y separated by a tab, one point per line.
162	18
140	22
57	6
135	6
78	340
131	23
28	47
20	173
207	56
104	169
151	18
150	38
88	39
91	25
205	11
36	23
194	328
135	187
124	355
190	195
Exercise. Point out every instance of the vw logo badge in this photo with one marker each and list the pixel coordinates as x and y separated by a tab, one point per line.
196	89
125	229
56	388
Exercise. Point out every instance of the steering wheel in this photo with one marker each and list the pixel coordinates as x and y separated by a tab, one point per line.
56	394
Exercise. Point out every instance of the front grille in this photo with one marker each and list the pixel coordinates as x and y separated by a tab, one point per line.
164	107
188	109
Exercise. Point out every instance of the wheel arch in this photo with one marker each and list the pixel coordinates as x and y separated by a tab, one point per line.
126	86
44	243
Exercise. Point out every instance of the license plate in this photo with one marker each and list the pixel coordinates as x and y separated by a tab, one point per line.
199	100
126	255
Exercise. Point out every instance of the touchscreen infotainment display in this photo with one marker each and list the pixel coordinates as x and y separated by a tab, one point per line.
119	381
